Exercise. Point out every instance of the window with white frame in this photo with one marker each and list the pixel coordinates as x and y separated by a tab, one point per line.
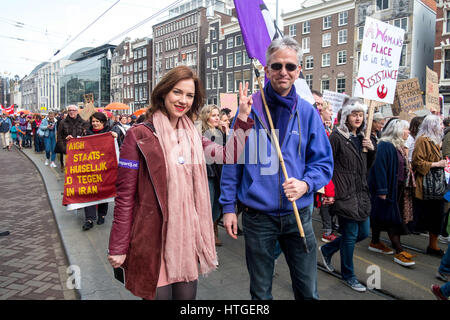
144	64
238	58
230	42
293	30
326	40
237	80
340	85
214	48
382	5
447	21
342	36
238	40
306	27
230	82
324	85
403	56
343	18
326	59
144	77
326	23
402	23
342	57
213	34
208	81
144	52
230	60
309	62
360	33
220	80
309	80
306	45
214	63
247	60
208	63
220	60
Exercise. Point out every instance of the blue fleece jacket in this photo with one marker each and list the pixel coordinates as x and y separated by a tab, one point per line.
257	179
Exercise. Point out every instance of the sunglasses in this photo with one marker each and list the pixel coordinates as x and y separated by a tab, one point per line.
278	66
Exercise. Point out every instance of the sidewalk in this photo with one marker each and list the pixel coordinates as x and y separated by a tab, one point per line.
88	251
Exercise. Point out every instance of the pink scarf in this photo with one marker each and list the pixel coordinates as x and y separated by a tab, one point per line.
190	235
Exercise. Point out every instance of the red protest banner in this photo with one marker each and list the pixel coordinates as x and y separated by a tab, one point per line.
91	169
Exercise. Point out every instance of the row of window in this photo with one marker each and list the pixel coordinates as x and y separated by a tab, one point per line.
325	84
326	24
139	53
326	59
138	94
235	59
326	40
140	65
399	23
235	41
176	25
215	80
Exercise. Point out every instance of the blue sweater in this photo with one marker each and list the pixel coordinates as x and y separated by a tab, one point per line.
257	179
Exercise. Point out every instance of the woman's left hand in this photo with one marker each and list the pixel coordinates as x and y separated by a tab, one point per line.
114	134
367	143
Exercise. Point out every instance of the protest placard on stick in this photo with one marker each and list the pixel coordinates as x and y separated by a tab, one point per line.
378	67
432	92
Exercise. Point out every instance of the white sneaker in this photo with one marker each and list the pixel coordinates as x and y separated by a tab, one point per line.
443	239
53	165
46	162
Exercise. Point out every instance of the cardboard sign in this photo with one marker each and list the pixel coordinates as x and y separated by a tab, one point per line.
408	96
230	101
432	91
91	170
380	58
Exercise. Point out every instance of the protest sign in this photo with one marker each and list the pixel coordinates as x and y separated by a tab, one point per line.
408	96
432	91
380	58
229	100
91	171
336	99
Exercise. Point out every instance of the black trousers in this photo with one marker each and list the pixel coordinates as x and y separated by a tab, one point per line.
90	212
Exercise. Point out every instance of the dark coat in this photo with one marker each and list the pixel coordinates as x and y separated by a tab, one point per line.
383	180
352	200
74	127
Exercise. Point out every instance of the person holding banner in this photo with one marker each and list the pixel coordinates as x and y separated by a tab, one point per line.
352	200
162	233
427	155
258	184
99	124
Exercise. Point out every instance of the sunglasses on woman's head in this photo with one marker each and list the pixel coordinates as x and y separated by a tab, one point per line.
278	66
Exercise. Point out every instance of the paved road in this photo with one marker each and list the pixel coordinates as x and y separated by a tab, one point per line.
230	282
32	262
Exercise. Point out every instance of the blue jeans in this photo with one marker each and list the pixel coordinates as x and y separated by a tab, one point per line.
445	268
352	232
214	198
50	144
261	232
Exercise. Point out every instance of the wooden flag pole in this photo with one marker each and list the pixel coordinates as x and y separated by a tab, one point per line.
369	121
280	156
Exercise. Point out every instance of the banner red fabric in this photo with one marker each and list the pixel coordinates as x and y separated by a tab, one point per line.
91	169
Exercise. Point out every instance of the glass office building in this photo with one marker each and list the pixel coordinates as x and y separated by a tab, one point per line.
89	75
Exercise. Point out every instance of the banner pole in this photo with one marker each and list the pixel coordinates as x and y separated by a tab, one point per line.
371	111
280	155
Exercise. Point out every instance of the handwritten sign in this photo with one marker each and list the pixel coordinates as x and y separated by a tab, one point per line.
380	58
336	99
432	91
91	170
409	95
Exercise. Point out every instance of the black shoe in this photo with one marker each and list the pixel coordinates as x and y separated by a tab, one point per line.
101	220
88	225
434	252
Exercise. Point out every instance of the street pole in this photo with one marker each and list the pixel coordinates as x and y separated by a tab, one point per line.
276	19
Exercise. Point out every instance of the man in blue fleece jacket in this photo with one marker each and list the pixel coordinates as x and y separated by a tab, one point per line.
258	181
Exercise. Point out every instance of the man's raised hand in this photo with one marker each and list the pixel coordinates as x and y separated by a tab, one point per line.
245	102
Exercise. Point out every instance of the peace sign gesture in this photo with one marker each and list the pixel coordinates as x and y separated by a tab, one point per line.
245	102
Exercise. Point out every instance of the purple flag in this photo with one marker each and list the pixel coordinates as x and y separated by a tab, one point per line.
257	27
258	30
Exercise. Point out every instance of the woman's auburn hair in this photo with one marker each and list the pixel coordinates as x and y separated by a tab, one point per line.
168	81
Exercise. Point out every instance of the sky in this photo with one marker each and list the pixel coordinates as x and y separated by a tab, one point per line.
32	31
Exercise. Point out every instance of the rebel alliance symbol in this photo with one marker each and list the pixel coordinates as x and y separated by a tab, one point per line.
383	92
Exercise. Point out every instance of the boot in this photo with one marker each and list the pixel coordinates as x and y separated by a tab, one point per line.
216	234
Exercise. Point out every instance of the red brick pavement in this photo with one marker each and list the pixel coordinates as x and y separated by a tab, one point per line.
32	261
